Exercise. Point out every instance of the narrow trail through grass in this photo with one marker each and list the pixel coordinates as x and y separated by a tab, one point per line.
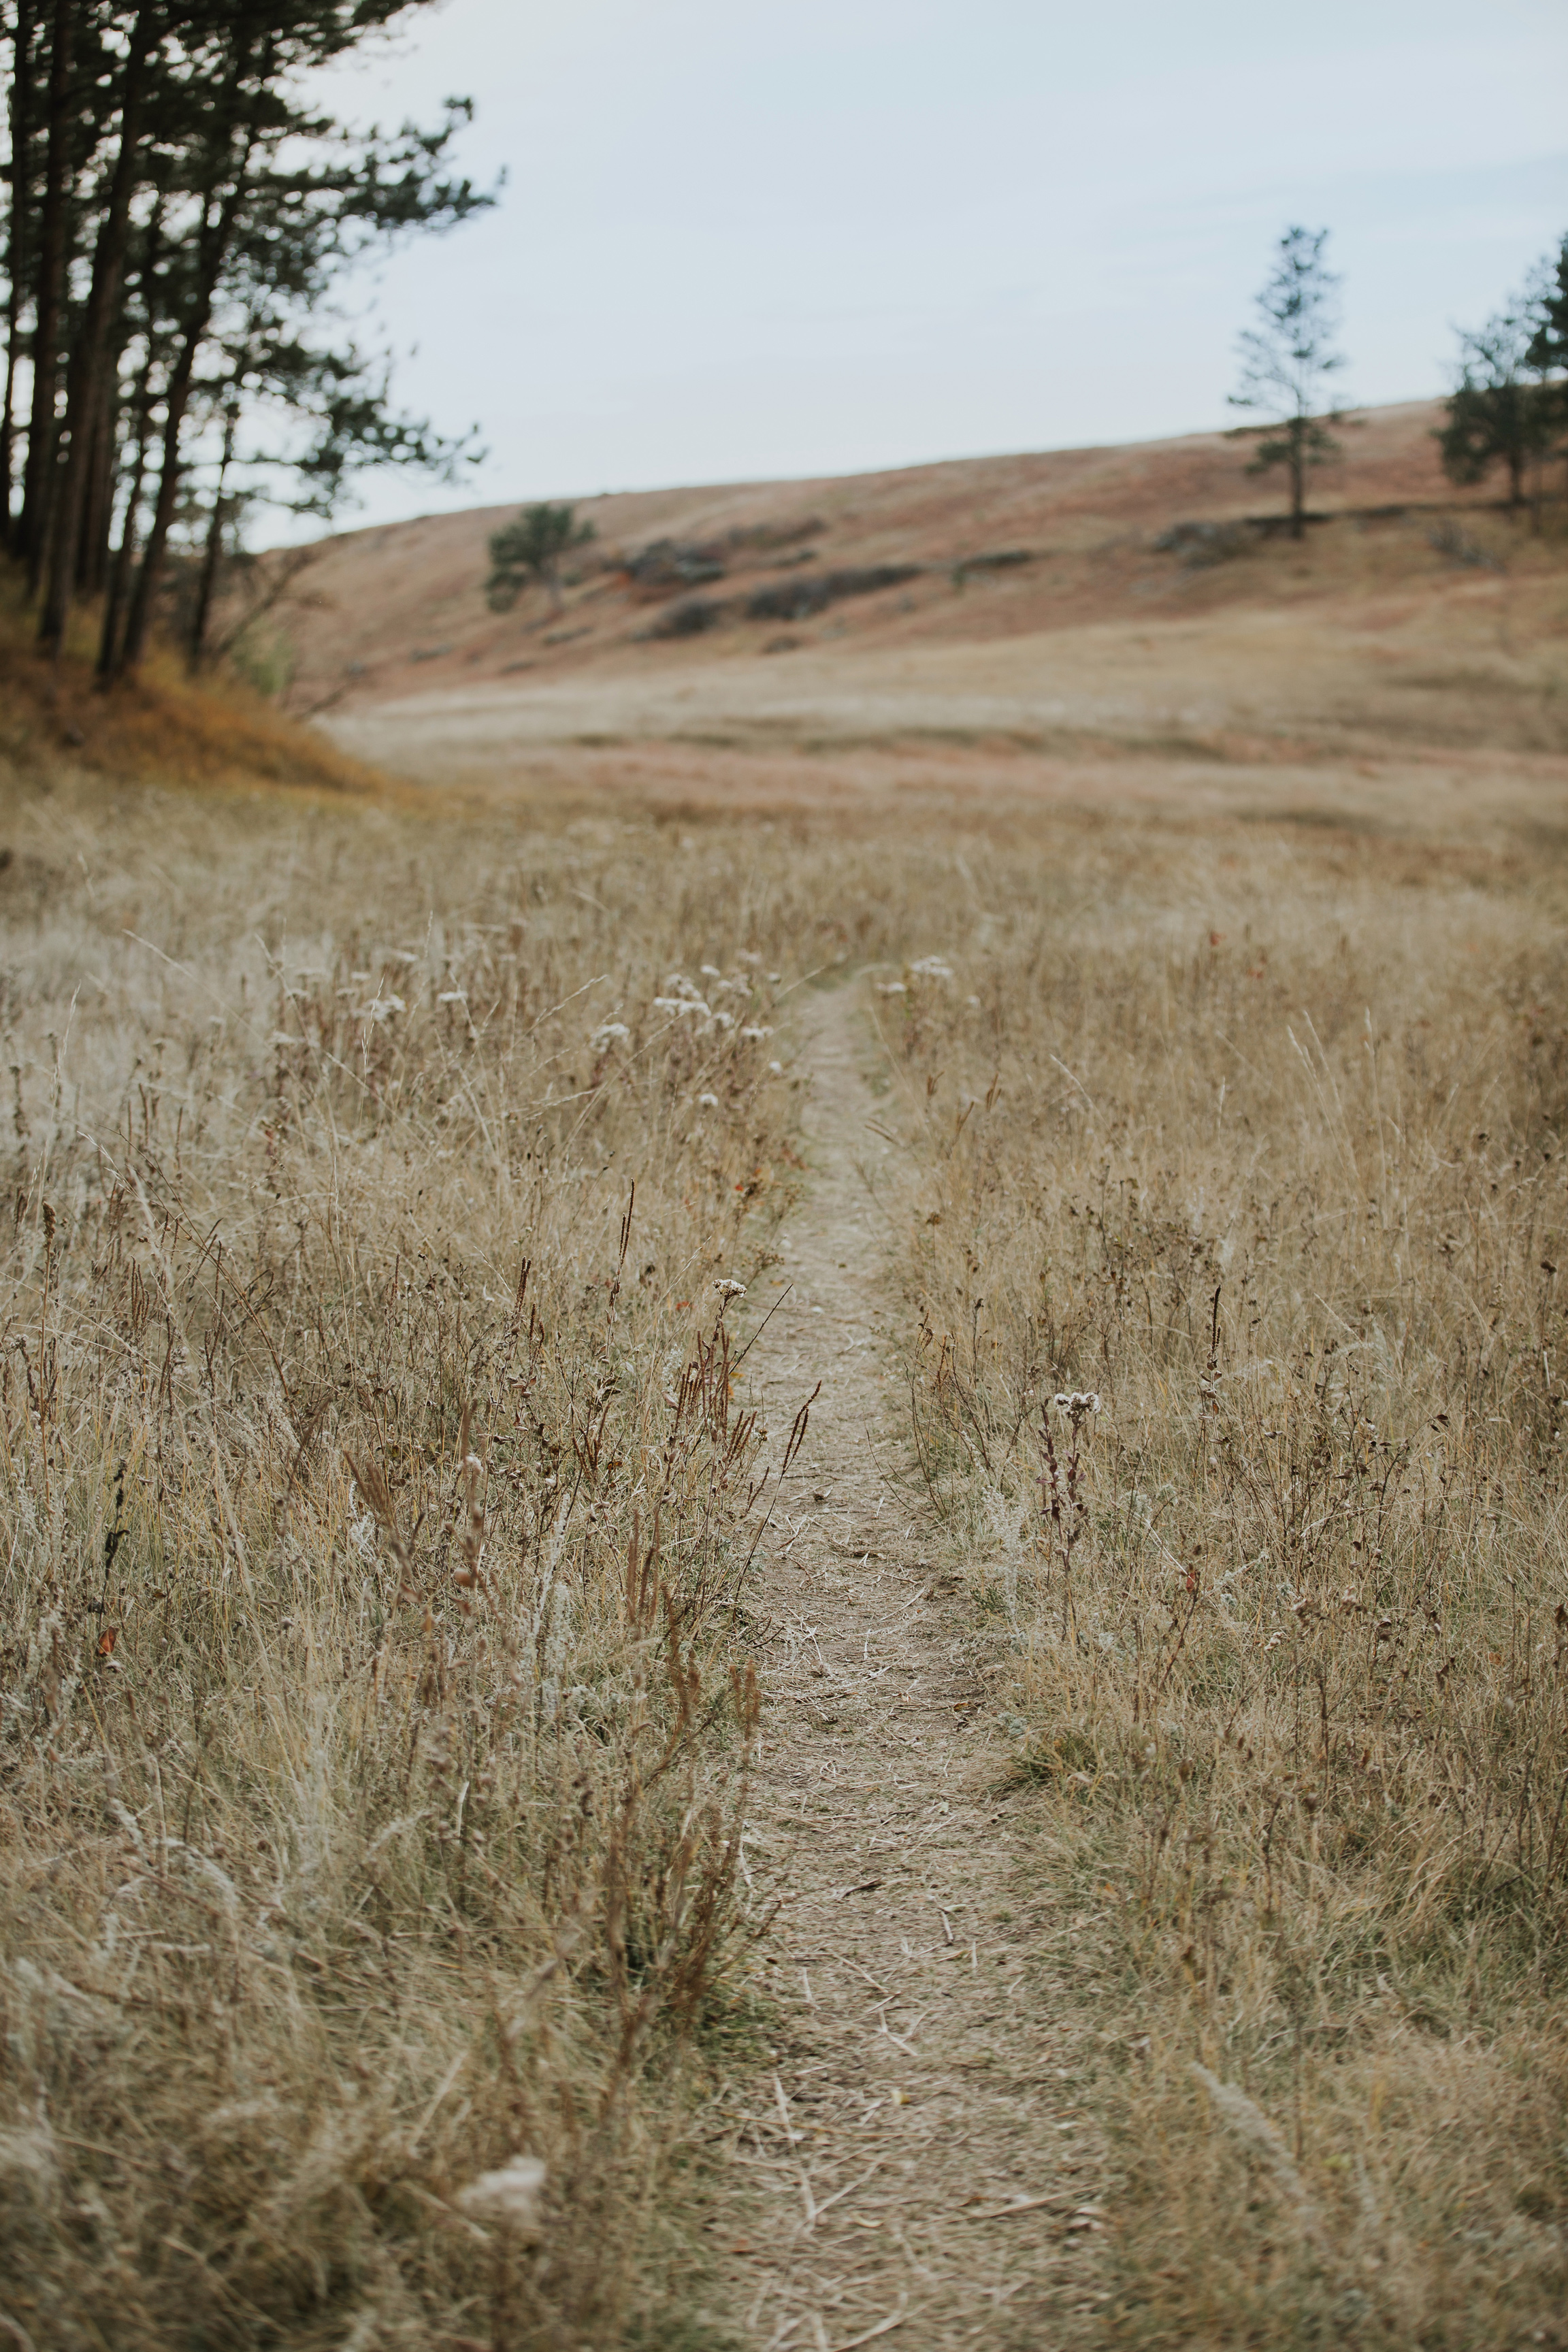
913	2156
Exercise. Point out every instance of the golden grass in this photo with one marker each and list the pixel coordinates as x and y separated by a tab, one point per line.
376	1520
159	726
380	1529
1269	1154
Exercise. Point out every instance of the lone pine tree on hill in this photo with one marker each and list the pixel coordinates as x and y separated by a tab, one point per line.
532	548
1286	362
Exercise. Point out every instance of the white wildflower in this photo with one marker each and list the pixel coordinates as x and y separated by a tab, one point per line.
932	968
759	1034
891	987
384	1008
776	1068
682	1004
1078	1404
710	971
707	1102
453	996
610	1033
510	2197
729	1288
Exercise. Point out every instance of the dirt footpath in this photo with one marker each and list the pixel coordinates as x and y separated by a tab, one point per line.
913	2158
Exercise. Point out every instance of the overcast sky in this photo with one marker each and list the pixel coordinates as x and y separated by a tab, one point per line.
743	240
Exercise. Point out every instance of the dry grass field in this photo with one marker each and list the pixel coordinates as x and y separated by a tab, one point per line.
1263	1151
376	1524
405	1519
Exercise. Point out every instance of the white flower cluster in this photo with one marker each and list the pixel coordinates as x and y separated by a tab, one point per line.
1078	1404
509	2198
684	999
682	995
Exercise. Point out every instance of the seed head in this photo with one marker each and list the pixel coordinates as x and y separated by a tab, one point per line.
510	2195
1078	1404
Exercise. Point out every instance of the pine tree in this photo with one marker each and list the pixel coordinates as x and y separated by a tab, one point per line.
1496	412
1286	361
177	216
1510	401
533	548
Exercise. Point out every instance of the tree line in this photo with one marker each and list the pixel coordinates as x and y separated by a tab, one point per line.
1508	407
179	211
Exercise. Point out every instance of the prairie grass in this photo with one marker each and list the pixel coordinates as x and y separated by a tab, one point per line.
1262	1145
377	1524
382	1521
161	726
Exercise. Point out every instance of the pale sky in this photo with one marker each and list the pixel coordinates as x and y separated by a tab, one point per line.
742	240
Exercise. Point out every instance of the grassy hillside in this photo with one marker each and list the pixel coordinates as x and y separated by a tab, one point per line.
993	549
158	726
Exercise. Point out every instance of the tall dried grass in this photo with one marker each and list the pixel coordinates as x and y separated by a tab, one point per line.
1270	1155
379	1518
377	1523
161	726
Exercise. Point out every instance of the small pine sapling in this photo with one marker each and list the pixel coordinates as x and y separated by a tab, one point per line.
1286	361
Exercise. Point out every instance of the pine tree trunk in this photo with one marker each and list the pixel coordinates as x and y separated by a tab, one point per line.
206	587
1298	478
117	566
125	553
21	112
88	392
213	249
92	547
48	298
